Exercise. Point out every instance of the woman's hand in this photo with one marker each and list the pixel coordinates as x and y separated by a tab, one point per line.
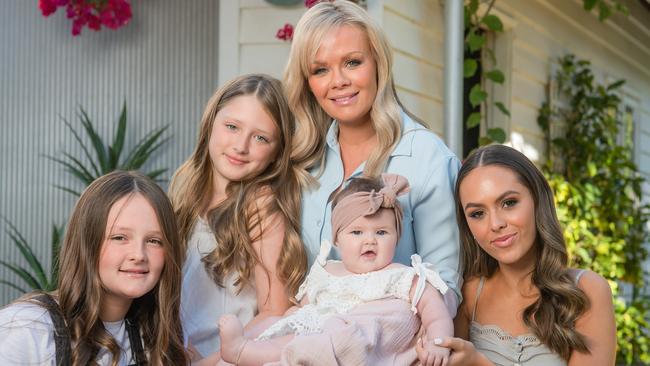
431	354
462	352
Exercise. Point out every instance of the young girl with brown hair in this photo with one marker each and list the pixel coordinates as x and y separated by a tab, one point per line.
118	300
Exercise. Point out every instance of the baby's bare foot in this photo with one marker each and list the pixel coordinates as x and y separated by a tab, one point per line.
231	332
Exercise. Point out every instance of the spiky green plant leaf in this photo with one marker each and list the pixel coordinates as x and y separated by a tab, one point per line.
103	157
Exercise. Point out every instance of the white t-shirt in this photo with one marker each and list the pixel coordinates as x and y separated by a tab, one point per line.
26	337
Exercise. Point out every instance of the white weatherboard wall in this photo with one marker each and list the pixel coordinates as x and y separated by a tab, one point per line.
415	30
164	64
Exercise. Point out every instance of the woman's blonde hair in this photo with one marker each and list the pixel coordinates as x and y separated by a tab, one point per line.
553	316
312	122
235	219
80	291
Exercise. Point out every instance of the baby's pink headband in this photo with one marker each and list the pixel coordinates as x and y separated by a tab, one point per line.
360	204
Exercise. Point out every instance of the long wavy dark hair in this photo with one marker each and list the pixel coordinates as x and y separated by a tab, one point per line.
553	316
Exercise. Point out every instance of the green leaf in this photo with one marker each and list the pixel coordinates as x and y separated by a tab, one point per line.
81	174
615	85
83	147
475	41
23	274
26	251
497	134
469	67
115	150
7	283
143	149
97	142
589	4
493	23
477	95
57	236
156	173
495	75
484	140
473	120
593	170
502	108
604	11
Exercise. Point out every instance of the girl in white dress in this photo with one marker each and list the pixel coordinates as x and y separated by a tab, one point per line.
237	200
366	225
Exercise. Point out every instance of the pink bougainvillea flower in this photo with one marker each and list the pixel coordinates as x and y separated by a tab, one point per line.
47	7
285	33
310	3
90	13
115	14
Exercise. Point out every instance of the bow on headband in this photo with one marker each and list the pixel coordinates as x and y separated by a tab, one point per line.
360	204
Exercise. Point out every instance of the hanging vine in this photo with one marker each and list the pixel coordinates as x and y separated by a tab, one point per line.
476	26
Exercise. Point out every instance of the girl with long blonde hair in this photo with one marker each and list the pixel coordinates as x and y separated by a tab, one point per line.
118	295
350	123
237	199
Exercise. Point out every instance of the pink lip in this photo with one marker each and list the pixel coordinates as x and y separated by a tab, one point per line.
134	272
344	99
503	241
368	254
234	160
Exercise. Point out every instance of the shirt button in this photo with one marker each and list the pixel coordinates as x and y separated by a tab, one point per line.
318	222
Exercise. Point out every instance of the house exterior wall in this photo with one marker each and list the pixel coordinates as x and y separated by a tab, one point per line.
163	64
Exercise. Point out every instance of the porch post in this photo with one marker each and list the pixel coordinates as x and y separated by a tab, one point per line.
453	80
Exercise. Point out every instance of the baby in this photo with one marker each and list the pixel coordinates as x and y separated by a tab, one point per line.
362	309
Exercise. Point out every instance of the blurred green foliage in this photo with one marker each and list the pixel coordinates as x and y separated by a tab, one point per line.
598	195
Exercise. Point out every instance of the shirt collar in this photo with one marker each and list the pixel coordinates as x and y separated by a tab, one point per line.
403	148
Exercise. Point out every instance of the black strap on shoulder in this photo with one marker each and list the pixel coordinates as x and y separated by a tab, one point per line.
62	340
61	333
137	351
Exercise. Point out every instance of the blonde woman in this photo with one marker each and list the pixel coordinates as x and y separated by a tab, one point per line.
350	123
237	200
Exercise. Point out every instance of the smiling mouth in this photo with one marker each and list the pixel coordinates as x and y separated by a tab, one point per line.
503	241
134	272
235	161
344	99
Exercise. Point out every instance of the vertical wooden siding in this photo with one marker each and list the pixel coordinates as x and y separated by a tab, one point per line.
163	64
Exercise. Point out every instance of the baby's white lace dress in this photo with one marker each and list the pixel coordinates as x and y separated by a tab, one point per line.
331	295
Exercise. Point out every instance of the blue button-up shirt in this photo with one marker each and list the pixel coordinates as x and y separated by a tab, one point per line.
429	224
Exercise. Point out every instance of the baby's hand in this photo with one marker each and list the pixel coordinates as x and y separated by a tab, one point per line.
433	355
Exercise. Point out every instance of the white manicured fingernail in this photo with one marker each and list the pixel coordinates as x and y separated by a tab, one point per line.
437	341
